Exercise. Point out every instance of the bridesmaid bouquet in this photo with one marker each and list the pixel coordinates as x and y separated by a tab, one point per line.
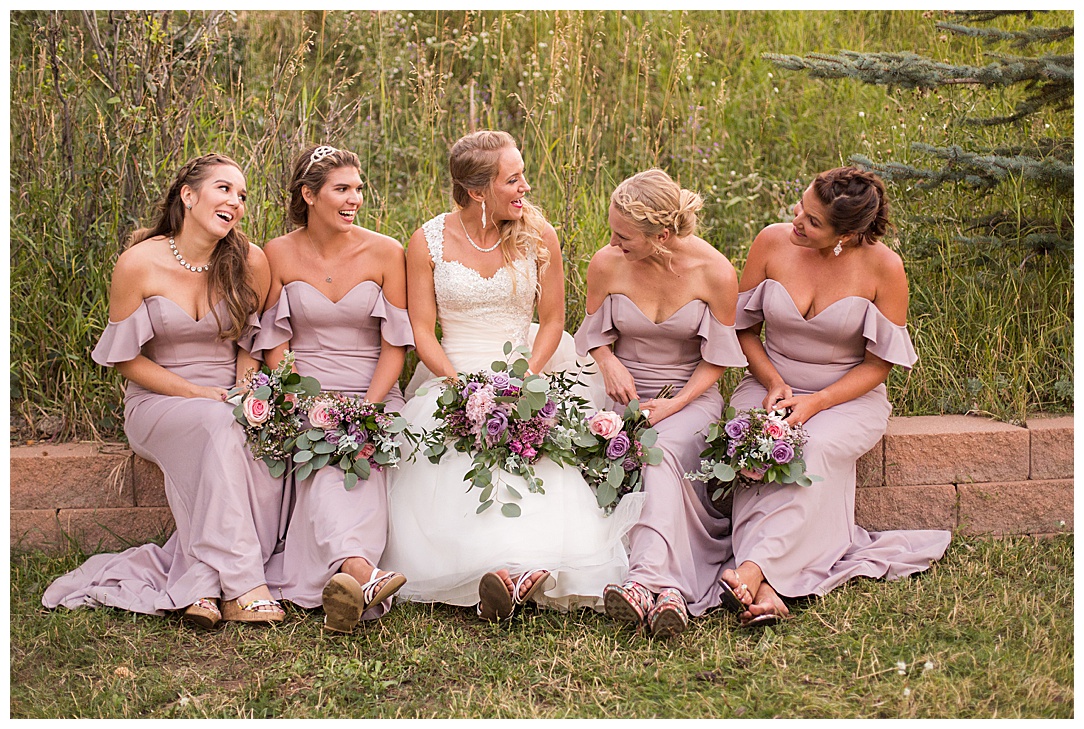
266	406
507	419
612	451
750	446
356	435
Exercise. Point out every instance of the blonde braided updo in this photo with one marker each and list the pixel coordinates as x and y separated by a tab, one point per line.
654	203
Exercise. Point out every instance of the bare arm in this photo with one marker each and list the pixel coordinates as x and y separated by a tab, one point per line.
551	305
390	363
276	260
620	385
260	272
754	273
422	307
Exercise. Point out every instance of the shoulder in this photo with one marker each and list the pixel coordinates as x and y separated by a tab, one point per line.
418	247
711	260
606	261
385	245
135	259
887	267
256	256
281	246
772	236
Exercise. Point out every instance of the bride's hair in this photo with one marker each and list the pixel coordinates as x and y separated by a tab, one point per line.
654	203
855	202
474	162
311	169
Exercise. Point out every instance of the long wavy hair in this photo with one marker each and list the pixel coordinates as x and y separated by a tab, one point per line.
229	277
474	162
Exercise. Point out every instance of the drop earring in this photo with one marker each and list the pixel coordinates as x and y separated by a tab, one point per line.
483	214
839	247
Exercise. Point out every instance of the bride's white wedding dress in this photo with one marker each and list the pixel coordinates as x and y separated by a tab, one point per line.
435	537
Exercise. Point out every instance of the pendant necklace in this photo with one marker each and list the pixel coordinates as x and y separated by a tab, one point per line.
471	240
313	246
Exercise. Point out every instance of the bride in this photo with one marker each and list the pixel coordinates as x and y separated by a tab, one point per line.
482	271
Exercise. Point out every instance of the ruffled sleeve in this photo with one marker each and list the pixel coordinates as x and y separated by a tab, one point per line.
249	334
274	326
597	330
719	342
750	310
889	341
394	325
123	340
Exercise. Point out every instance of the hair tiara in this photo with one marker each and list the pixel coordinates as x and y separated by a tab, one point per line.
318	154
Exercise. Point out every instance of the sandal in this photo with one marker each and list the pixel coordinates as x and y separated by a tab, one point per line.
729	597
497	603
380	587
630	602
670	616
344	602
253	611
763	621
203	612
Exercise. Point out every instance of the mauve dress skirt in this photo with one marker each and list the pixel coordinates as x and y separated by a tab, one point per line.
680	540
804	538
225	504
338	343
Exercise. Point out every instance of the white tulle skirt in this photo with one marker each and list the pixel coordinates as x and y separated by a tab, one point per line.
436	538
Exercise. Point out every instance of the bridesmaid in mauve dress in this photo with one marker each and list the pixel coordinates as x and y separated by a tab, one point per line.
184	309
833	299
664	299
339	292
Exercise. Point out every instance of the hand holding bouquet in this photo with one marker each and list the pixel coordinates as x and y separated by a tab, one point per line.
613	450
508	420
349	432
266	406
750	446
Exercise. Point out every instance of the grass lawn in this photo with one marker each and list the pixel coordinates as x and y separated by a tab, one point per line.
987	632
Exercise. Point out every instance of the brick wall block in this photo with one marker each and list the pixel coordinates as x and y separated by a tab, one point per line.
105	530
70	475
1025	507
150	487
870	469
906	507
35	530
1051	447
954	449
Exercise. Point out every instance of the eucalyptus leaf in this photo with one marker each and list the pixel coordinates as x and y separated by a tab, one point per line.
498	365
323	447
507	348
262	393
398	424
303	456
362	468
520	367
320	461
303	471
523	409
310	386
616	476
511	490
485	505
275	468
649	437
447	397
382	458
724	472
350	480
653	456
605	495
511	510
536	385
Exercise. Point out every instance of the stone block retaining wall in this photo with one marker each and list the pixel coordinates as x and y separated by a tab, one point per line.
970	475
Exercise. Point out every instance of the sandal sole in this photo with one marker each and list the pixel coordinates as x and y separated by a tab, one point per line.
233	613
762	621
668	622
729	599
496	602
200	617
618	608
390	587
343	603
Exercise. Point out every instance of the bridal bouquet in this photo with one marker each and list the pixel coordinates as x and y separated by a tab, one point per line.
349	432
266	406
508	420
753	446
612	451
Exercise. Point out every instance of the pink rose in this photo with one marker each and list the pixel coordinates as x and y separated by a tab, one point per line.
256	411
367	450
319	417
606	424
774	429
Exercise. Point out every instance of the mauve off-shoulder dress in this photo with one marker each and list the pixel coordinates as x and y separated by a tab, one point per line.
804	539
680	540
338	343
225	504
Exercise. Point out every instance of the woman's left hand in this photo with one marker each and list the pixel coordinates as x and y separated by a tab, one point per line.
660	408
803	407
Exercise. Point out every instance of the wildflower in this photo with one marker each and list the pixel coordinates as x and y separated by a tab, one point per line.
901	667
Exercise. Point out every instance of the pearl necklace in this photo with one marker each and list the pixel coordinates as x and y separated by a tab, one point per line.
184	263
471	240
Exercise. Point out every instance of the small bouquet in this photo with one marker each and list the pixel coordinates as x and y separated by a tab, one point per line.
612	451
266	406
350	432
508	420
753	446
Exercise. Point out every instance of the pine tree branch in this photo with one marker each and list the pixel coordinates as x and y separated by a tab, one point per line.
1020	39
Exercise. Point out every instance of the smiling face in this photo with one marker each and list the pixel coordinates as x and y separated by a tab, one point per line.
504	198
626	236
336	204
810	227
218	202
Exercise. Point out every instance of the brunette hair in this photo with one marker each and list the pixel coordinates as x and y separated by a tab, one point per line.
855	202
474	162
229	269
312	170
654	203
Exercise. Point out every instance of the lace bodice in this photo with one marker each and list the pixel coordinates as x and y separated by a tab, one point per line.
495	309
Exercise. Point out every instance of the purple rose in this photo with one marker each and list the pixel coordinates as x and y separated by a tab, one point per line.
618	446
737	428
732	448
549	409
260	379
471	388
782	452
497	424
500	381
332	437
629	464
